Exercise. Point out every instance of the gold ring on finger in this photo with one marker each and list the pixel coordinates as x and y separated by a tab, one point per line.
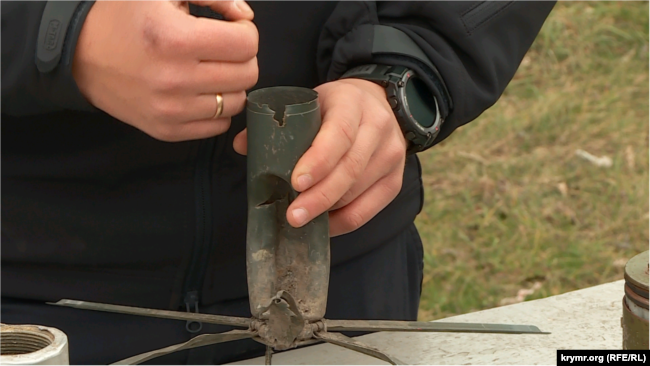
219	98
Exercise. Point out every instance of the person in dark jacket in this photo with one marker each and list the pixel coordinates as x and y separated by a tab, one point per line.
123	152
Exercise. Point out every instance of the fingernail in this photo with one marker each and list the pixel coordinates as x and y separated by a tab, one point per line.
242	6
300	215
303	182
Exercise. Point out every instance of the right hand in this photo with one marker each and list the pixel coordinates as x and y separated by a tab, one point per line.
158	68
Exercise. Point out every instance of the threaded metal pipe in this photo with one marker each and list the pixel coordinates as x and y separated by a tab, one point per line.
32	345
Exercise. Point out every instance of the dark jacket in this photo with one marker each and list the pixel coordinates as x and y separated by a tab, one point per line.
94	209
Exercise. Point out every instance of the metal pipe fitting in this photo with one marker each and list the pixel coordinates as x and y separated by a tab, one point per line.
33	345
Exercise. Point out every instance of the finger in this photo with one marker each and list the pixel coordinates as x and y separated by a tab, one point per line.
240	143
218	40
196	107
342	115
206	128
214	76
366	206
182	5
205	106
390	156
377	169
191	131
231	10
322	196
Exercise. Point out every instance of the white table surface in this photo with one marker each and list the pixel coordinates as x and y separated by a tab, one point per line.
583	319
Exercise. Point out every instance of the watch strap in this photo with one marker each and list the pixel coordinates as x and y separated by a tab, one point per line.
393	41
392	46
51	34
372	72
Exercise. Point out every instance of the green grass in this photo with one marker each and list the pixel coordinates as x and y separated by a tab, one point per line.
508	203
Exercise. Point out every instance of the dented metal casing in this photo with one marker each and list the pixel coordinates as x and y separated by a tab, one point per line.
282	122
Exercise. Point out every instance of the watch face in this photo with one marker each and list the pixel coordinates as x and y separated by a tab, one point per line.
421	103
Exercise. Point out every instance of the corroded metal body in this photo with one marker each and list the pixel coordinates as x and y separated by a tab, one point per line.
288	268
282	122
635	303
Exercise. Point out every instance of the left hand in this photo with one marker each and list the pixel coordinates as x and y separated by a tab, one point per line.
355	165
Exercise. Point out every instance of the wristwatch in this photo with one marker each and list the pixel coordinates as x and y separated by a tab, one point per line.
415	106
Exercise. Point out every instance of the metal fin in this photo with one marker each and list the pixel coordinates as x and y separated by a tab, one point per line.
268	356
285	322
167	314
406	326
349	343
198	341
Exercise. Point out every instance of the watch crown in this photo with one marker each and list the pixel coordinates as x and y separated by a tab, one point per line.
393	103
400	83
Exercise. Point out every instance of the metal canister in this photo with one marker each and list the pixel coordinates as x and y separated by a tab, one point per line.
282	123
635	303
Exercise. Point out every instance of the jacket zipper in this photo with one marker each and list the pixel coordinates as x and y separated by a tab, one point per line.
203	237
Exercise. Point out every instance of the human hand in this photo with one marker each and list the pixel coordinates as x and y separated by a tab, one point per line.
156	67
355	165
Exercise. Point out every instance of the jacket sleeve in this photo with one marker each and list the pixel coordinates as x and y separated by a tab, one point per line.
475	47
38	43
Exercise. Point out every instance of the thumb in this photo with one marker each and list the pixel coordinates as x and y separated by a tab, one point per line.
240	143
231	9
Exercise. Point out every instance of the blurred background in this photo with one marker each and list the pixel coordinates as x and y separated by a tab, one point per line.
547	191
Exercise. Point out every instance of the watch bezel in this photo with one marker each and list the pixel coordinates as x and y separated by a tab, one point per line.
401	93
